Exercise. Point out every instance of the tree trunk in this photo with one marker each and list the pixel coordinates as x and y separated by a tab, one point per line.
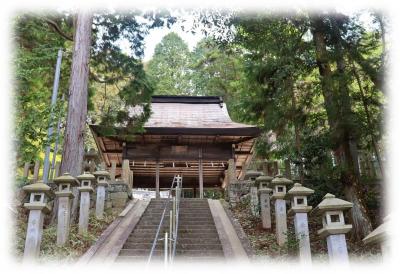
73	151
368	116
337	104
297	136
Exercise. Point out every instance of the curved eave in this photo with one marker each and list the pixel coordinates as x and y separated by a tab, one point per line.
237	131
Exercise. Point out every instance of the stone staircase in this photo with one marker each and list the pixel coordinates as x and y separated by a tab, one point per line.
197	236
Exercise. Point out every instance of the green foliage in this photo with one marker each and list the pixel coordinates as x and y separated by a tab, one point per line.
35	58
169	68
38	38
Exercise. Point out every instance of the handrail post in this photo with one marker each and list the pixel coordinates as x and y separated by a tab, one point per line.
166	250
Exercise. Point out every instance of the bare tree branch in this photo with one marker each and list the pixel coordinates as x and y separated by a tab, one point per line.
57	28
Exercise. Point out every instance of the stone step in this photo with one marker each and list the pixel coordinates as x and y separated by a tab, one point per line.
192	253
150	234
180	246
181	222
186	240
180	228
178	259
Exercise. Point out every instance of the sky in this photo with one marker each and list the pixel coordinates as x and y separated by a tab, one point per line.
155	35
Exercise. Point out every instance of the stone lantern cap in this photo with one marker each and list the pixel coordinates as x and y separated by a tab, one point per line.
280	180
265	190
102	173
38	187
86	176
330	203
66	178
299	190
264	178
252	173
379	234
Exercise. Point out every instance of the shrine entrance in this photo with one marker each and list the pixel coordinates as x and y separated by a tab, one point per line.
190	136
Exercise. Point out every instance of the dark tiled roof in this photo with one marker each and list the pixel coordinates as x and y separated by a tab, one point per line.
195	113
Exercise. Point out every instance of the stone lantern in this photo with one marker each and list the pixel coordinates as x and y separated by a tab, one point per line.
39	193
382	235
299	207
102	182
252	175
334	227
265	201
279	184
86	179
64	194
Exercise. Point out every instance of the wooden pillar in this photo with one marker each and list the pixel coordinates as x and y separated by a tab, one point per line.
125	171
36	171
130	178
112	170
231	172
200	174
26	169
57	169
276	168
288	173
157	179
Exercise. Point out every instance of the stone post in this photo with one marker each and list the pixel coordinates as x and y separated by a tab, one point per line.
113	171
86	180
279	192
334	228
39	192
251	176
64	196
265	200
298	195
254	201
102	183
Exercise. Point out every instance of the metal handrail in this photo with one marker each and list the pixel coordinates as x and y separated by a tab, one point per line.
178	197
175	180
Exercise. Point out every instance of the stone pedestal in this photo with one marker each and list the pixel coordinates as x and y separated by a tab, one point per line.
37	208
101	195
86	180
64	195
279	192
63	216
102	183
337	248
299	207
281	221
254	201
84	209
265	206
34	234
302	234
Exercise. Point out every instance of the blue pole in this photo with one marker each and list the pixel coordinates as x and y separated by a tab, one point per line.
46	166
